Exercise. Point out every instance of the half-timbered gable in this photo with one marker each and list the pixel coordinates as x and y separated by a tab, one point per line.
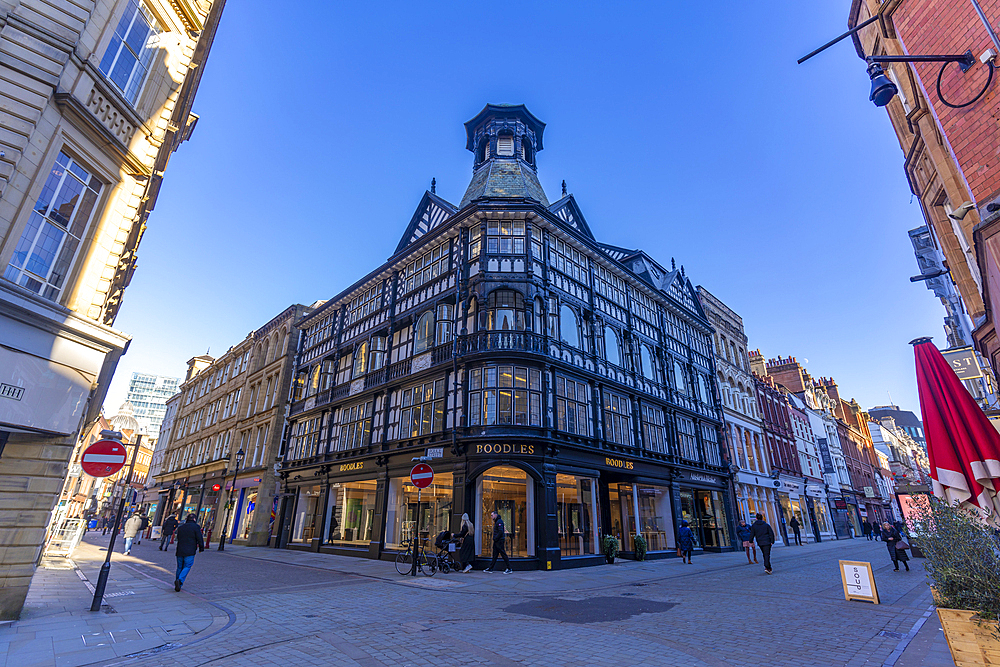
504	339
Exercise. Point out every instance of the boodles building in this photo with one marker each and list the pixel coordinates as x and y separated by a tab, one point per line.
563	382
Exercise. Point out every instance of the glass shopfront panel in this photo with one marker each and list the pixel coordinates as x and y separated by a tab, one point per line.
191	502
722	519
509	491
655	517
689	512
576	503
402	511
822	515
352	512
206	516
307	506
622	506
706	515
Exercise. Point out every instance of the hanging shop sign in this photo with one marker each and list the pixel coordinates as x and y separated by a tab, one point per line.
963	361
858	580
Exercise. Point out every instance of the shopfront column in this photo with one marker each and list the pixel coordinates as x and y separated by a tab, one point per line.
548	552
378	523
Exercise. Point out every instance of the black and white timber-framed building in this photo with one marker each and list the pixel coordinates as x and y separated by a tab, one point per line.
564	382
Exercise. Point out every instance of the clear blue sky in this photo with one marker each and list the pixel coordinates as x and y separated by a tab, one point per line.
685	129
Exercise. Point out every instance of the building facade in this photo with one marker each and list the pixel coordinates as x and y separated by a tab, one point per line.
754	488
148	396
772	403
226	406
96	96
563	382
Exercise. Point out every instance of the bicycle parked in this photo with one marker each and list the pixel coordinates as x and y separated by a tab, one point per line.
427	564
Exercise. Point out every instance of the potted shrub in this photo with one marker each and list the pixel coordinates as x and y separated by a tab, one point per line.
610	548
640	547
963	564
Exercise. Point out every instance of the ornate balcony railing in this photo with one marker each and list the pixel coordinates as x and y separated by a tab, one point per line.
492	341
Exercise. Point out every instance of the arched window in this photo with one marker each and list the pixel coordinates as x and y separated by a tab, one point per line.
445	317
273	347
505	311
484	148
568	327
361	360
538	323
612	346
470	318
379	344
425	333
527	154
262	359
680	383
648	362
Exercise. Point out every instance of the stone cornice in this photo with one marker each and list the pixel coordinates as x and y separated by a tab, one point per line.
73	107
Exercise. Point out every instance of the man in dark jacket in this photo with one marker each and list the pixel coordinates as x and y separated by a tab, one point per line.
167	530
763	535
189	542
499	537
796	529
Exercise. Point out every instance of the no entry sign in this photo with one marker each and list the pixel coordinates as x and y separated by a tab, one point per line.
103	458
422	475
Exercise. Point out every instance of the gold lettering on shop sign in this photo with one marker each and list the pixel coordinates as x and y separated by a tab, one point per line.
357	465
505	449
619	463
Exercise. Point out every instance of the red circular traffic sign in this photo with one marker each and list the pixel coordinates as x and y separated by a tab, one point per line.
422	475
216	487
103	458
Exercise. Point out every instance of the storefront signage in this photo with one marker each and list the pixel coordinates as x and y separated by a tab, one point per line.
697	477
435	452
869	492
10	391
357	465
840	503
963	361
505	449
859	584
619	463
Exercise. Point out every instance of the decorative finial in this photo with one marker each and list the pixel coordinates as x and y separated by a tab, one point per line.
564	187
682	269
673	264
207	351
434	186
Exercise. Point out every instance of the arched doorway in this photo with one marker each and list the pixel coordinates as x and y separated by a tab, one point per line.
510	491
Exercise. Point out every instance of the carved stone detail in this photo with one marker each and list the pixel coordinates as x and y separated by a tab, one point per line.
107	113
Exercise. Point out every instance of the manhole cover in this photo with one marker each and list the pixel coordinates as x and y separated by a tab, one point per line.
592	610
893	635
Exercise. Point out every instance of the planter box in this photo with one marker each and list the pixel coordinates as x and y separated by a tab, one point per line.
971	644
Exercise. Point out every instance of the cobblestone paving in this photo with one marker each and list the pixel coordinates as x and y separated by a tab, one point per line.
271	607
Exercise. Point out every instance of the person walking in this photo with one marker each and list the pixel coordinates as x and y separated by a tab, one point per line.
685	541
467	552
763	535
167	531
189	542
796	529
142	528
866	529
745	536
892	539
132	527
499	536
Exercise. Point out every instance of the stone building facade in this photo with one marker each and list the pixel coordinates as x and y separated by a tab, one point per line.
753	486
564	382
95	97
235	403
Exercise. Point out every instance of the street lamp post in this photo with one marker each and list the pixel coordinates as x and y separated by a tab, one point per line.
222	538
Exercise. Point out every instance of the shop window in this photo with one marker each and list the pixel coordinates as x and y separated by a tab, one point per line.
445	323
612	346
622	509
510	492
403	513
424	338
44	255
505	237
505	311
307	507
617	418
423	410
355	425
569	329
130	53
653	431
572	406
505	395
655	517
576	500
352	513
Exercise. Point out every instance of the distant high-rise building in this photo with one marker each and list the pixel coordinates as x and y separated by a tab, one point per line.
148	395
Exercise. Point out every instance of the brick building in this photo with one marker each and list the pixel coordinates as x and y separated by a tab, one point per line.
95	98
950	154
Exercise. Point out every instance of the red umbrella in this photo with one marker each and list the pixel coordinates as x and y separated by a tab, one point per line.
962	445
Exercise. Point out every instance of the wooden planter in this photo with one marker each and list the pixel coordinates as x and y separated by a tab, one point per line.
971	644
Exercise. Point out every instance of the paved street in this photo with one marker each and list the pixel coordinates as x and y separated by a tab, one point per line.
251	606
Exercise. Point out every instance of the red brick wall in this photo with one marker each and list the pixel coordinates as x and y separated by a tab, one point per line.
951	27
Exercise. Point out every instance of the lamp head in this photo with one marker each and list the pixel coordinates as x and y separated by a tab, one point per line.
240	454
883	89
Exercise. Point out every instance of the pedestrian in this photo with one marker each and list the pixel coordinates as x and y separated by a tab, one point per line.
132	527
499	536
142	528
104	528
745	535
467	551
763	535
893	540
189	542
866	529
685	541
166	531
796	529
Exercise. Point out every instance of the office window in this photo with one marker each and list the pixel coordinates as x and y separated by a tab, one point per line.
355	425
505	395
59	220
427	267
653	432
131	50
423	410
505	237
572	406
617	418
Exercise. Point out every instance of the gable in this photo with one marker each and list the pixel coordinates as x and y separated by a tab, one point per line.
567	210
430	214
